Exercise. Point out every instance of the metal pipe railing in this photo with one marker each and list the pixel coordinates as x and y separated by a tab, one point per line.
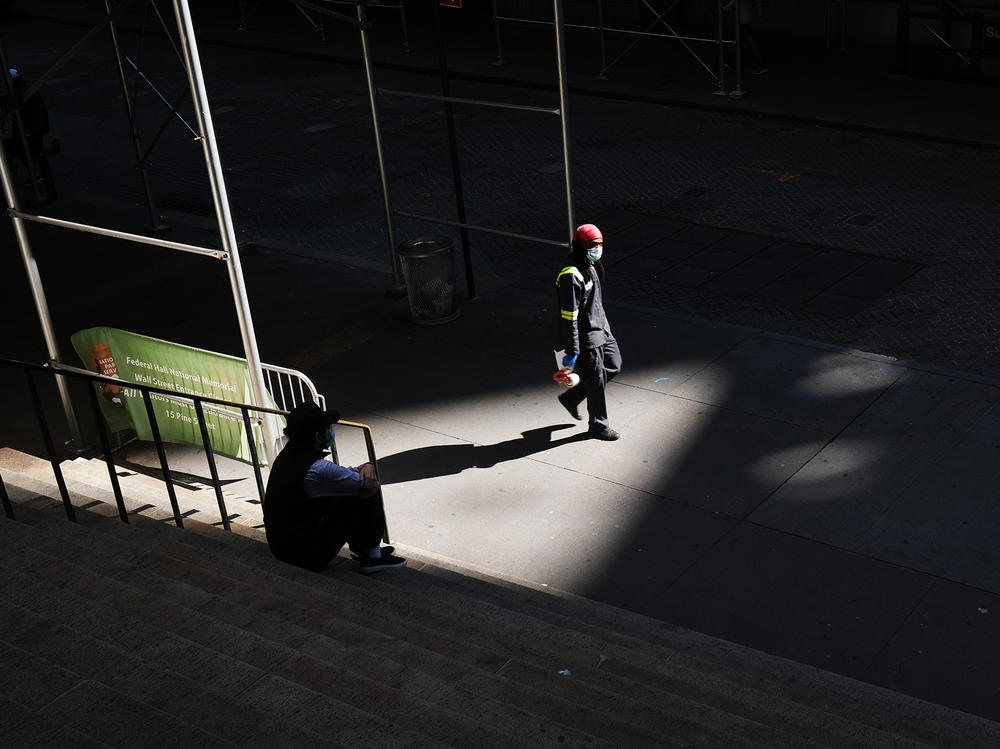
201	405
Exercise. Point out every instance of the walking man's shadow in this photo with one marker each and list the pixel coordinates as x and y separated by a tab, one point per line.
444	460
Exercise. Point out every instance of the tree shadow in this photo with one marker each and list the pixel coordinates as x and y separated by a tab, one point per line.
445	460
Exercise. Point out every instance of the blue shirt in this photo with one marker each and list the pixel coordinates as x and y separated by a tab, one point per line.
327	479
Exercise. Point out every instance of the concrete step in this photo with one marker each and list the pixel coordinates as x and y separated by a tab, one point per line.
88	481
26	729
59	647
102	608
469	637
478	642
789	695
62	702
539	699
839	706
518	721
221	650
835	710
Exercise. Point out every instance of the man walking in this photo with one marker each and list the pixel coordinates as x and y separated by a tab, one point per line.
584	332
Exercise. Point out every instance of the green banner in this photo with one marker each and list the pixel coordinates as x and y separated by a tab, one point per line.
186	370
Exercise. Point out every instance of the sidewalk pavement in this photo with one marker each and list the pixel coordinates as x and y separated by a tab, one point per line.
827	505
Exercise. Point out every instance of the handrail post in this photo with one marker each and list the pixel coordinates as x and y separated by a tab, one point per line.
8	508
162	455
213	469
254	461
49	447
102	432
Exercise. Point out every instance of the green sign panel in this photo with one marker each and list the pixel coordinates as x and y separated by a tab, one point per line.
136	358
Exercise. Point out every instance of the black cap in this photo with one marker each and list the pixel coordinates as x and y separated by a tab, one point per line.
307	418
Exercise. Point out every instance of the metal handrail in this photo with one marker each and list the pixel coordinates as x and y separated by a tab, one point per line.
201	404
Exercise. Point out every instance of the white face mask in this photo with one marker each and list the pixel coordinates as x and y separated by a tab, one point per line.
594	253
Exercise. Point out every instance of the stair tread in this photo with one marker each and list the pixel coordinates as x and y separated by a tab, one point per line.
471	699
459	646
649	673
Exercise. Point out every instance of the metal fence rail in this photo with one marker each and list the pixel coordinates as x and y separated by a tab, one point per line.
251	416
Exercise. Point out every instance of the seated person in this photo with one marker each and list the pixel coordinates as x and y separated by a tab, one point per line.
312	507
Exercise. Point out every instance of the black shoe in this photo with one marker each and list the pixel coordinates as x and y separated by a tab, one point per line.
371	565
573	408
606	433
385	550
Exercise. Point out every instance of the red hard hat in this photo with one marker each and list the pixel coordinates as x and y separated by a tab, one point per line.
588	233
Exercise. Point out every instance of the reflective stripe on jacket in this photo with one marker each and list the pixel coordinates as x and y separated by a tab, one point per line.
582	323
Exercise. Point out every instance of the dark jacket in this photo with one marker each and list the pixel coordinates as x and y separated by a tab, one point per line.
582	322
289	514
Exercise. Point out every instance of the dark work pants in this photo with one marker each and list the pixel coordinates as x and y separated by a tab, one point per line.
596	367
356	521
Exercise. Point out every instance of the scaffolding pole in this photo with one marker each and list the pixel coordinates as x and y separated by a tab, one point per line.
562	111
557	7
397	275
227	231
140	160
38	296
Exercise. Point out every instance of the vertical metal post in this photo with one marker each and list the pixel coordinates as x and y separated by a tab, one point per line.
406	32
720	34
109	461
603	75
254	459
903	34
456	170
557	8
206	442
8	508
737	93
41	305
49	446
216	177
843	26
154	225
162	455
22	131
496	28
366	55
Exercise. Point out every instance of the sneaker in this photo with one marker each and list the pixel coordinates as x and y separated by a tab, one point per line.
385	550
371	565
607	433
573	408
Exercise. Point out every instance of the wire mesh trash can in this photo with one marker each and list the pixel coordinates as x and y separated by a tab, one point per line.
429	271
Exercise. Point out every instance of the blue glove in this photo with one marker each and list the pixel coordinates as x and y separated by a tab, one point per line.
569	361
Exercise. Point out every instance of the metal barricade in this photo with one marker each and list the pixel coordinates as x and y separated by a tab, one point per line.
250	415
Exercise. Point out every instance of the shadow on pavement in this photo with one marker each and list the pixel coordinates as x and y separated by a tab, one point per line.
446	460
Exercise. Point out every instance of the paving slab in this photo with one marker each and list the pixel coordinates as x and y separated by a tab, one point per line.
793	597
945	651
909	481
793	381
